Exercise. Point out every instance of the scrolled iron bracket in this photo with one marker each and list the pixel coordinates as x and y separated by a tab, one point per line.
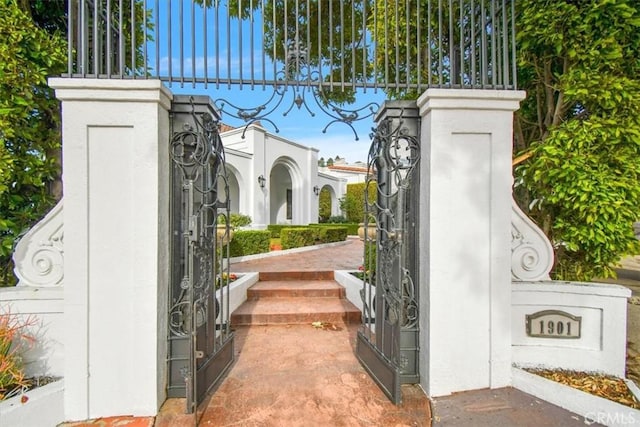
295	79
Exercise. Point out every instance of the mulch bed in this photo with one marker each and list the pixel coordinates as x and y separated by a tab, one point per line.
606	386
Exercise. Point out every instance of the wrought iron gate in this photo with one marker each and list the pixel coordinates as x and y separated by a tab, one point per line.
200	338
299	49
387	344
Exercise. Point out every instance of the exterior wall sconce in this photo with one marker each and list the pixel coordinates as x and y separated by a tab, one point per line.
316	190
261	181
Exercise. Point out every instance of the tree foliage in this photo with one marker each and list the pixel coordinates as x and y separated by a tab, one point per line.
401	30
28	125
323	40
324	205
353	202
580	129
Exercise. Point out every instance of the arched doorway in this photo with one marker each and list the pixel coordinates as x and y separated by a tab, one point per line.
281	195
286	201
236	200
326	203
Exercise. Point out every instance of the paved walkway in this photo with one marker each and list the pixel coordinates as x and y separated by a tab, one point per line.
335	256
300	376
502	407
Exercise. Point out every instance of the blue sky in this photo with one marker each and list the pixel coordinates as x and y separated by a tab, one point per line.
231	50
298	125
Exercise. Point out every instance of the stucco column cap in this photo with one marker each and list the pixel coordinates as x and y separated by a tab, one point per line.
112	90
469	99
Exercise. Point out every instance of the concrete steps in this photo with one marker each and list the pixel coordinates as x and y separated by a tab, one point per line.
289	298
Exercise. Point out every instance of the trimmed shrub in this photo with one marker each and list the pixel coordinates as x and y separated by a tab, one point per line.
275	229
370	256
327	233
352	227
235	220
297	237
335	234
249	242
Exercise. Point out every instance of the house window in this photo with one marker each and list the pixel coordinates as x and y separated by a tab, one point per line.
289	199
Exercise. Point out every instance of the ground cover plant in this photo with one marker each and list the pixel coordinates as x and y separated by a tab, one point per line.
14	341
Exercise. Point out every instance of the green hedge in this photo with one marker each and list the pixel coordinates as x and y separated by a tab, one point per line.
236	220
329	233
352	227
275	229
249	242
353	205
297	237
336	234
370	256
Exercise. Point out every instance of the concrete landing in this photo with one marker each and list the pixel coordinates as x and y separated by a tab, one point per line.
500	407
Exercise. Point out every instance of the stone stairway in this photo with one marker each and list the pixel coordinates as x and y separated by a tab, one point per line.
295	297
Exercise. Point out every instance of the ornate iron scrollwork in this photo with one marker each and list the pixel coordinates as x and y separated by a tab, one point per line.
388	338
295	78
199	327
394	154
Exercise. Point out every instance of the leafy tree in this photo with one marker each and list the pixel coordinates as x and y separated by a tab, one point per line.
321	162
32	47
329	36
353	202
579	129
28	125
330	162
324	208
430	31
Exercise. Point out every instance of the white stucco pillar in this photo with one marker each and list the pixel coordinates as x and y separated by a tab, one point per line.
116	231
465	242
260	167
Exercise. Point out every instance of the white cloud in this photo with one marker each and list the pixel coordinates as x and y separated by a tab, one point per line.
220	64
337	144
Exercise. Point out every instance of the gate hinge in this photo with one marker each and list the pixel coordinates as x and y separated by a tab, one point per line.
199	354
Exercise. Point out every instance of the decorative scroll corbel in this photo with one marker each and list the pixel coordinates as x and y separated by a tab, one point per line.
531	252
39	254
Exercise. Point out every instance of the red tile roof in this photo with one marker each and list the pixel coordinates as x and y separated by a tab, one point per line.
346	168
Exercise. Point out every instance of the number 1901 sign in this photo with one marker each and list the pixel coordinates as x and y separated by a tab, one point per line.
553	324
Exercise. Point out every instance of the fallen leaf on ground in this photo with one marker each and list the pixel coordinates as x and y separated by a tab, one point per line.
606	386
327	326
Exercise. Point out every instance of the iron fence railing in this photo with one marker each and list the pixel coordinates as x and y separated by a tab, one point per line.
399	46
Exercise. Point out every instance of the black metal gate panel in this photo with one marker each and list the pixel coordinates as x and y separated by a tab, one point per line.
387	344
200	337
398	46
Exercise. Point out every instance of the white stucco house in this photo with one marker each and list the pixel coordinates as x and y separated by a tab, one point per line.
277	181
353	173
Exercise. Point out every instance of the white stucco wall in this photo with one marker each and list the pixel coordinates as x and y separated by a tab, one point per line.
602	308
116	182
465	240
284	164
337	187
